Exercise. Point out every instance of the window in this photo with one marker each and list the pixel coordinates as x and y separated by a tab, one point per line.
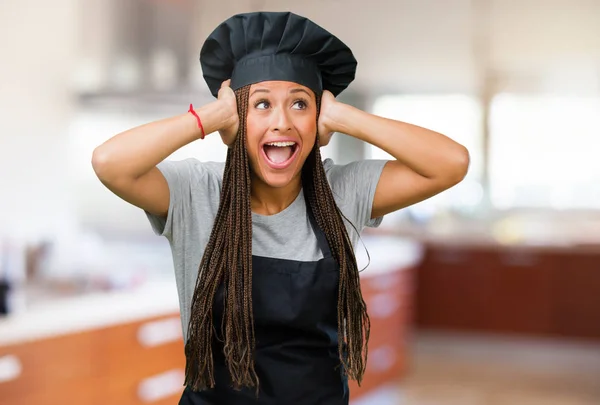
544	151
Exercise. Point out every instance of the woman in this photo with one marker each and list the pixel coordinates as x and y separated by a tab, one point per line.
263	245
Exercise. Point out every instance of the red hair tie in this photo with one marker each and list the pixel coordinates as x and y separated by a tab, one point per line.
191	110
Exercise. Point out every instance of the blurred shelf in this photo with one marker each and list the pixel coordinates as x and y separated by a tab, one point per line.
73	314
148	101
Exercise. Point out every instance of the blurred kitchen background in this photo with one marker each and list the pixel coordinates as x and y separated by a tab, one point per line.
488	293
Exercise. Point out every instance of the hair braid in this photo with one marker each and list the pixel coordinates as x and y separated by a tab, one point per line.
353	319
227	260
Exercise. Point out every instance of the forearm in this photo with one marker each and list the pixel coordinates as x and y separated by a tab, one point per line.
426	152
134	152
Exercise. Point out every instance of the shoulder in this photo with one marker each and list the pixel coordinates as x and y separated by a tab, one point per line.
346	179
194	195
213	169
364	167
353	186
191	170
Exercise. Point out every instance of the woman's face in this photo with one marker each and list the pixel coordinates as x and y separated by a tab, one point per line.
281	130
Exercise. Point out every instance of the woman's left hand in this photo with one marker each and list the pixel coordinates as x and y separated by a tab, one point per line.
327	121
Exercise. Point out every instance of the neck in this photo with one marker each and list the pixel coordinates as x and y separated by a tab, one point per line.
267	200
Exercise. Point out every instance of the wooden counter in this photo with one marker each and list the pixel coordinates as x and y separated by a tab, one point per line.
126	348
110	366
389	300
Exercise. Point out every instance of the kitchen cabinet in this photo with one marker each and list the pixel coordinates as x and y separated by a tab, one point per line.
120	365
576	289
499	289
389	300
40	372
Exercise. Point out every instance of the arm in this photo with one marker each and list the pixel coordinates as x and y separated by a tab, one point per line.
426	164
126	163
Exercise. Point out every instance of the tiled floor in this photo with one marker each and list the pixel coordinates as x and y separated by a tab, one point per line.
449	369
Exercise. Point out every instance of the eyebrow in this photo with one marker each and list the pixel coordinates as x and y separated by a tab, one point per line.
259	91
293	91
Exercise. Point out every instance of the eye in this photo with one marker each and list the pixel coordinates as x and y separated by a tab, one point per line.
300	104
261	105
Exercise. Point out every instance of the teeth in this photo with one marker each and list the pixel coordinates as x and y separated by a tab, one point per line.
281	144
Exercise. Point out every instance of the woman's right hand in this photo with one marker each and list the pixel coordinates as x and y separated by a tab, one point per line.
231	123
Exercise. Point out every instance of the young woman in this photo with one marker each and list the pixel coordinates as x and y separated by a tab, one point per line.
269	288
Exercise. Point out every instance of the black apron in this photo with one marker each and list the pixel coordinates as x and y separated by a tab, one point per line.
295	326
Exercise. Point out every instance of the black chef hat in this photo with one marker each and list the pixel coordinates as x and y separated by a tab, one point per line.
254	47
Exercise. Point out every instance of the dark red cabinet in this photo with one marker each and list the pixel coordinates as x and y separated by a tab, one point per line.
498	289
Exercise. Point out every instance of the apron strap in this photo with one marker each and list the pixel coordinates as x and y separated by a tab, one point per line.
321	238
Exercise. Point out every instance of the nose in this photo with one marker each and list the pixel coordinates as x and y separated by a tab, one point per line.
281	121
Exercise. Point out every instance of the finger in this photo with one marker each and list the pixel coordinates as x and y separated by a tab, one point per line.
226	83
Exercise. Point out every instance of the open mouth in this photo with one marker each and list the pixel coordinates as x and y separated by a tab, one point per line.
280	154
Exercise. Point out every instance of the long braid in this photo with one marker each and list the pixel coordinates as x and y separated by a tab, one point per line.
353	320
227	260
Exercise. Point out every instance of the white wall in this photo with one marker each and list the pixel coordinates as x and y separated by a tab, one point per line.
405	41
37	43
408	45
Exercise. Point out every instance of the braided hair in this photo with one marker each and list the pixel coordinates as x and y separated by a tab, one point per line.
228	260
